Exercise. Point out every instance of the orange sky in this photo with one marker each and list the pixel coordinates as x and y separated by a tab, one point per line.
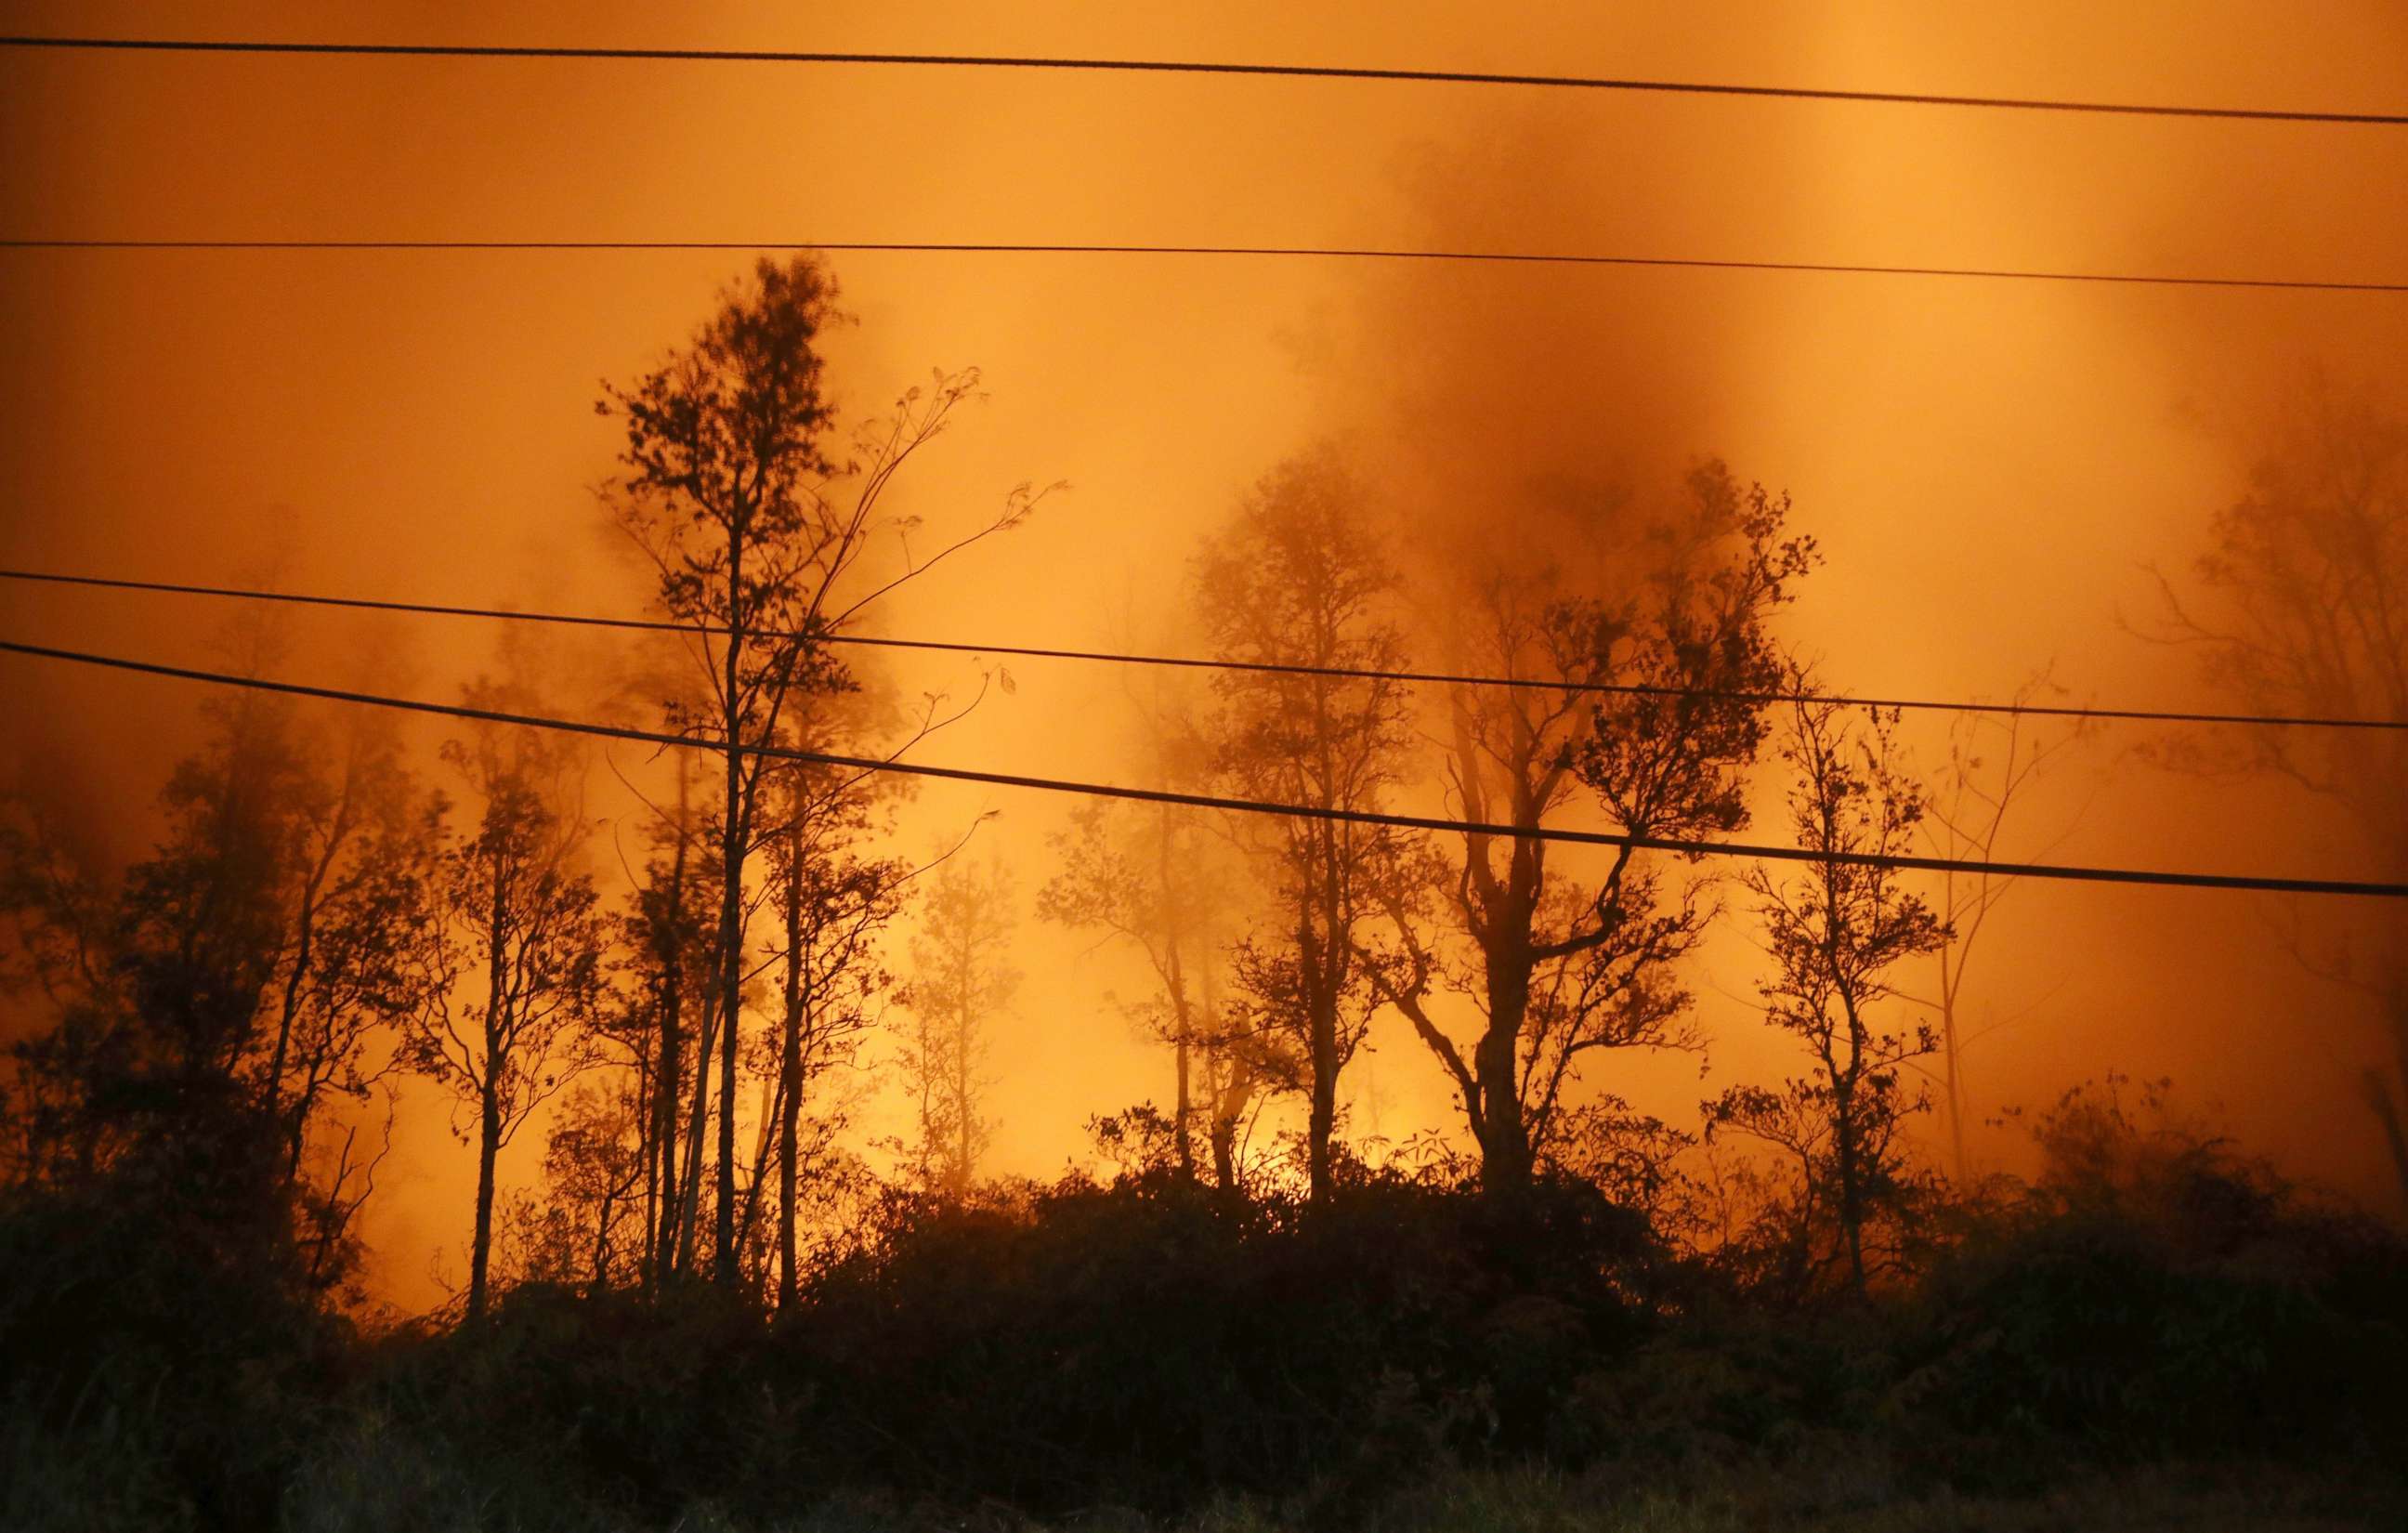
1987	464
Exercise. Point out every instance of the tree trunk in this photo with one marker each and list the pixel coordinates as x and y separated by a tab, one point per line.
962	1101
647	1152
489	1105
304	950
730	1000
1225	1151
1319	1126
1504	1138
1182	1028
1185	1138
765	1144
306	923
731	908
1325	968
1852	1215
1231	1081
489	1144
1954	1081
789	1068
602	1242
667	1093
1506	955
1323	1119
697	1122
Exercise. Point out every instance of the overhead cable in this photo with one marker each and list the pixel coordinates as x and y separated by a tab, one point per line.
558	52
1522	258
1451	678
1676	845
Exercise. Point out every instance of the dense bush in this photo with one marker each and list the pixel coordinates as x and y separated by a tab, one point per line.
160	1327
1146	1344
1057	1346
1149	1345
2152	1292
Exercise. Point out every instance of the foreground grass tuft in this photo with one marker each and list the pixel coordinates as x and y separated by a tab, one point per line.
375	1484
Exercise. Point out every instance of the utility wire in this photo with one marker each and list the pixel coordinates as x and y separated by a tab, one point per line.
1531	258
1191	66
663	625
1245	806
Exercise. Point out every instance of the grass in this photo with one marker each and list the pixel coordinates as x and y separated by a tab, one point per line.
381	1486
368	1477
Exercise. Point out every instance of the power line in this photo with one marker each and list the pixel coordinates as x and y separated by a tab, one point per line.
663	625
1191	66
1246	806
1333	253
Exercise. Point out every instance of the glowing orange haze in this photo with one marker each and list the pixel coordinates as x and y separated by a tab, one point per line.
1987	464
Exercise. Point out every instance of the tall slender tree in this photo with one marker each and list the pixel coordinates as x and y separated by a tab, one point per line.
670	977
1298	578
1156	878
834	903
1836	933
758	536
1994	763
1136	873
522	933
962	980
362	901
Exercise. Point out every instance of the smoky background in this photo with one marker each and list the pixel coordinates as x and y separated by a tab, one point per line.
1988	467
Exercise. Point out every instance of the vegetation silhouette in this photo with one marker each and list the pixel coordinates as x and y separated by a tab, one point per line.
723	1298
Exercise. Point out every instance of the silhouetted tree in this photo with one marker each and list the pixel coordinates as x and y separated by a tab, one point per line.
1648	705
757	535
834	903
1238	1064
587	1227
1136	872
1298	578
521	929
1156	876
961	981
56	917
665	1019
203	926
171	1001
362	903
135	1103
1993	761
1835	933
144	1091
2299	613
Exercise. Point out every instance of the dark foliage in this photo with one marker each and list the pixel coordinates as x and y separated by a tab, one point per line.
1152	1344
1141	1342
2160	1293
1061	1346
170	1300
